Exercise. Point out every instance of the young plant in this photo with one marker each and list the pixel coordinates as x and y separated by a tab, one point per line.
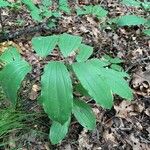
136	3
96	10
61	79
63	6
134	20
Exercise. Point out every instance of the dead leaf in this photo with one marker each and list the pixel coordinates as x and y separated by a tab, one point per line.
124	109
34	92
84	141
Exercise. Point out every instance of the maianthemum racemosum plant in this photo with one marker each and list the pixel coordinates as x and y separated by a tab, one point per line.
89	77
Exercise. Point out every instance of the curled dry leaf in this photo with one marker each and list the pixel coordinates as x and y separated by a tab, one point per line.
124	109
84	140
110	137
34	92
136	144
141	77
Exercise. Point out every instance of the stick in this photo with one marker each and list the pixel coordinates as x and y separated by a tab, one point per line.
1	21
28	30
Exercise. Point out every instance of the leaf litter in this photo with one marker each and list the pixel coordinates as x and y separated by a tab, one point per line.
126	126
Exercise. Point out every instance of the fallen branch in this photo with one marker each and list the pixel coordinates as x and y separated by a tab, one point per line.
25	31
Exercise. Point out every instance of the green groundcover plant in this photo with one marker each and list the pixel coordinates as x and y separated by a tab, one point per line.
99	79
134	20
39	12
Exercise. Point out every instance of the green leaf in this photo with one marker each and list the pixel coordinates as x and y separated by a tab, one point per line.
36	15
56	14
147	24
44	45
4	3
99	12
115	60
116	67
129	20
146	5
56	92
47	13
69	43
11	77
84	114
58	131
85	10
9	55
112	60
30	5
116	82
133	3
96	10
35	12
98	63
147	32
96	86
63	5
85	52
47	3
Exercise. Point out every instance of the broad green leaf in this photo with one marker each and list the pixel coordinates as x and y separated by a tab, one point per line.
58	131
36	15
30	5
112	60
63	5
96	86
85	52
129	20
56	14
9	55
98	11
84	114
11	77
146	5
134	3
35	12
116	82
115	60
47	3
147	32
147	24
4	3
98	63
69	43
47	13
44	45
56	92
85	10
116	67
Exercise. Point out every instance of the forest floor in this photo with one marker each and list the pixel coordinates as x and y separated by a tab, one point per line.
127	125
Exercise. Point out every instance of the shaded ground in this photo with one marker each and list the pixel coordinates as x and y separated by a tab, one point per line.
126	126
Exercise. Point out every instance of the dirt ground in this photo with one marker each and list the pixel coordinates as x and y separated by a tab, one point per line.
127	125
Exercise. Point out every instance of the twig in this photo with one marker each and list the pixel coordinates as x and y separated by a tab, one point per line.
28	30
1	21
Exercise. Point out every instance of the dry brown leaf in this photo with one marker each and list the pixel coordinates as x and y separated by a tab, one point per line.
110	137
141	76
84	141
124	109
34	92
136	144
